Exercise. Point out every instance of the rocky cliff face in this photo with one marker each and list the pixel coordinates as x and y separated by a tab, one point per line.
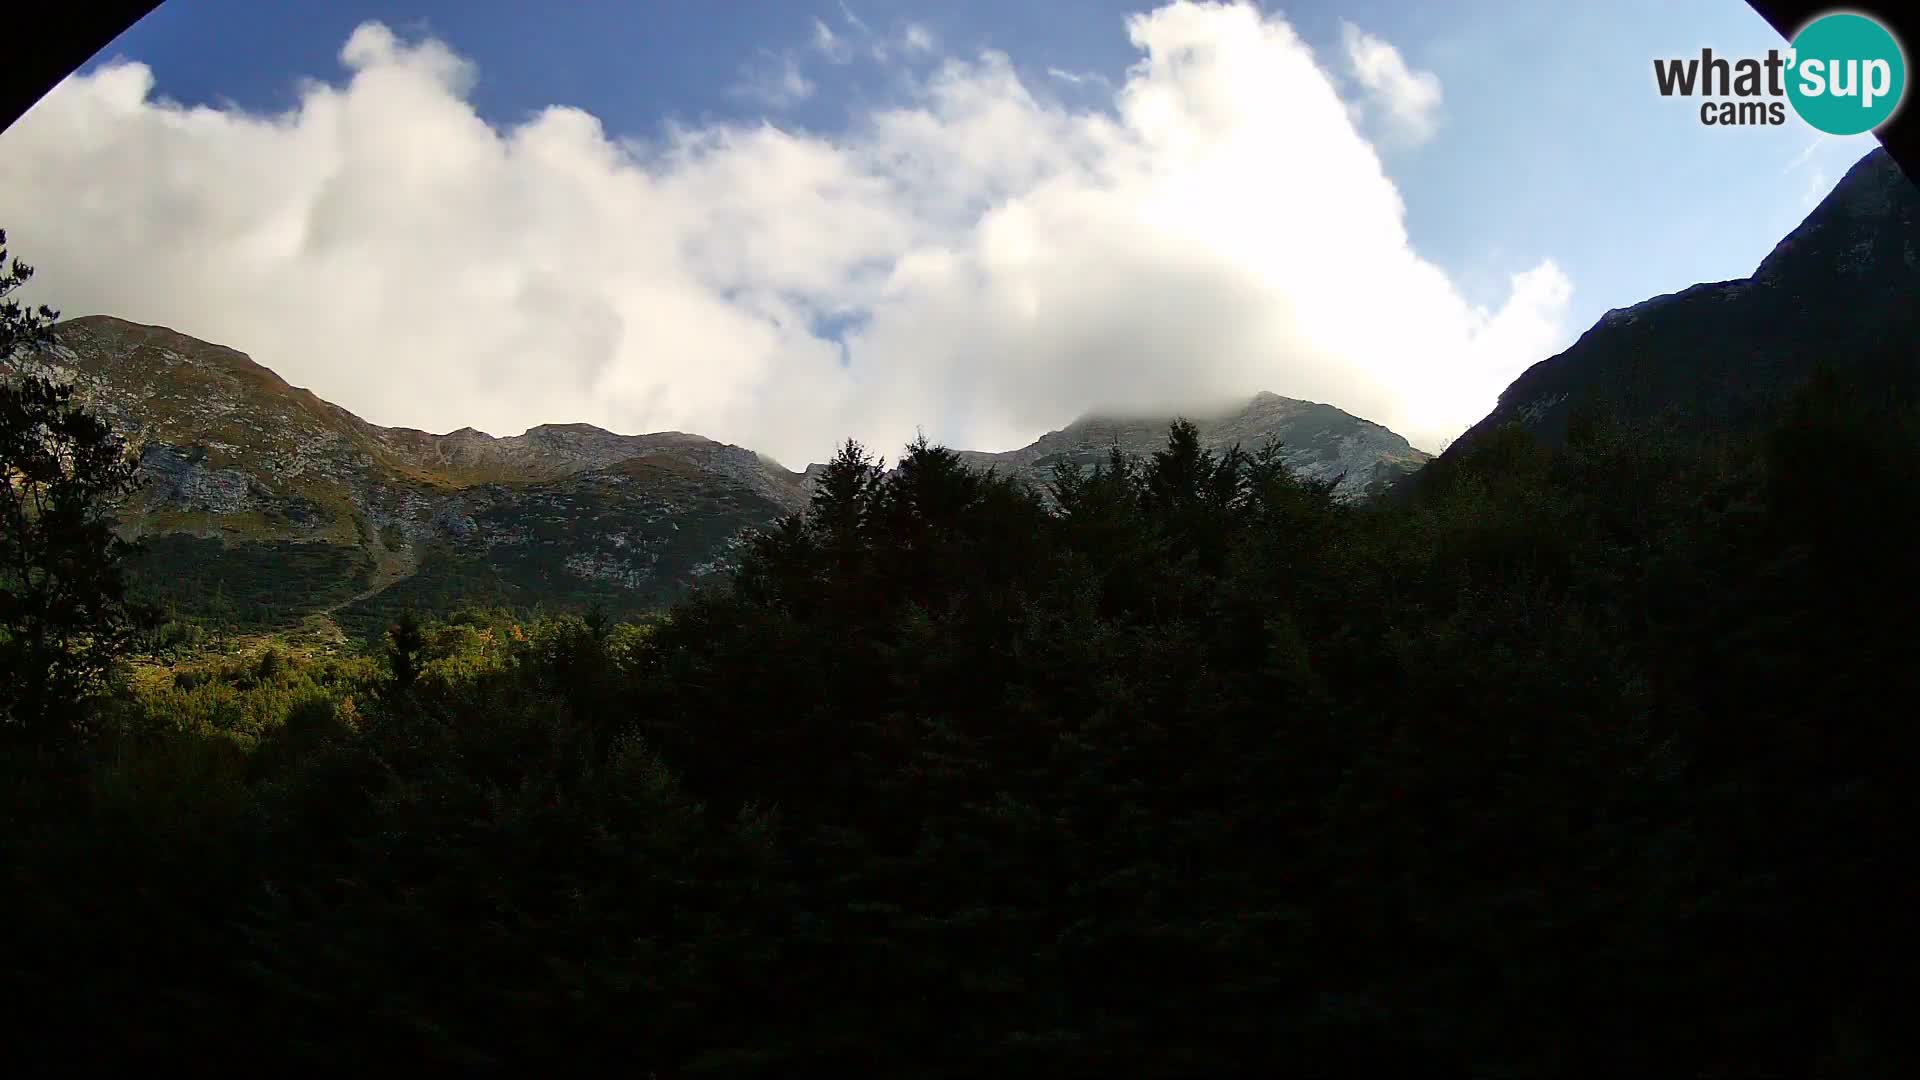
244	471
1842	289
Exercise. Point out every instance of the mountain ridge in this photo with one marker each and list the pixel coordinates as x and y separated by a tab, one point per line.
250	479
1840	286
248	476
244	468
1318	441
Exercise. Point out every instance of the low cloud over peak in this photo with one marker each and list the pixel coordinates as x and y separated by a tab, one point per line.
976	260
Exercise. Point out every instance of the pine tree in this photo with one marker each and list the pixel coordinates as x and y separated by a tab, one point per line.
406	649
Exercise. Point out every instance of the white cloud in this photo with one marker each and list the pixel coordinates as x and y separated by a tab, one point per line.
1079	78
775	80
1818	186
1007	262
852	19
1408	101
830	44
1805	155
913	40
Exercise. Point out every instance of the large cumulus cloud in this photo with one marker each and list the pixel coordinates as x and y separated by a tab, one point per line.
976	260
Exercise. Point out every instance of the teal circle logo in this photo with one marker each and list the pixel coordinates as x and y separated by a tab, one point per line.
1848	74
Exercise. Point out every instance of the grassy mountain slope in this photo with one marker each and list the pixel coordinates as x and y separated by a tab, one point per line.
265	502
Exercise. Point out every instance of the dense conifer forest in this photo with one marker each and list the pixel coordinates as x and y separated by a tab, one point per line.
1574	760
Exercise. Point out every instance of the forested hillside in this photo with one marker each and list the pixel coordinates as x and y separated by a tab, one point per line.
1585	760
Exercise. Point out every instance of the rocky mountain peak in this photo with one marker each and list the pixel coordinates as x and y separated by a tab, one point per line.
1842	287
1868	219
1317	441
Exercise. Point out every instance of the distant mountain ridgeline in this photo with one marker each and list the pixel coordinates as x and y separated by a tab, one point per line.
1316	441
265	503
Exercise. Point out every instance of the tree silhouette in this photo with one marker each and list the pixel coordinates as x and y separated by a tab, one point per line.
65	620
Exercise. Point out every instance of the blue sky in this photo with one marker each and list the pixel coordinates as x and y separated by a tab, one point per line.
1546	144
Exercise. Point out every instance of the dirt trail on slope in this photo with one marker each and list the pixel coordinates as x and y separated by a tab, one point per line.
390	568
